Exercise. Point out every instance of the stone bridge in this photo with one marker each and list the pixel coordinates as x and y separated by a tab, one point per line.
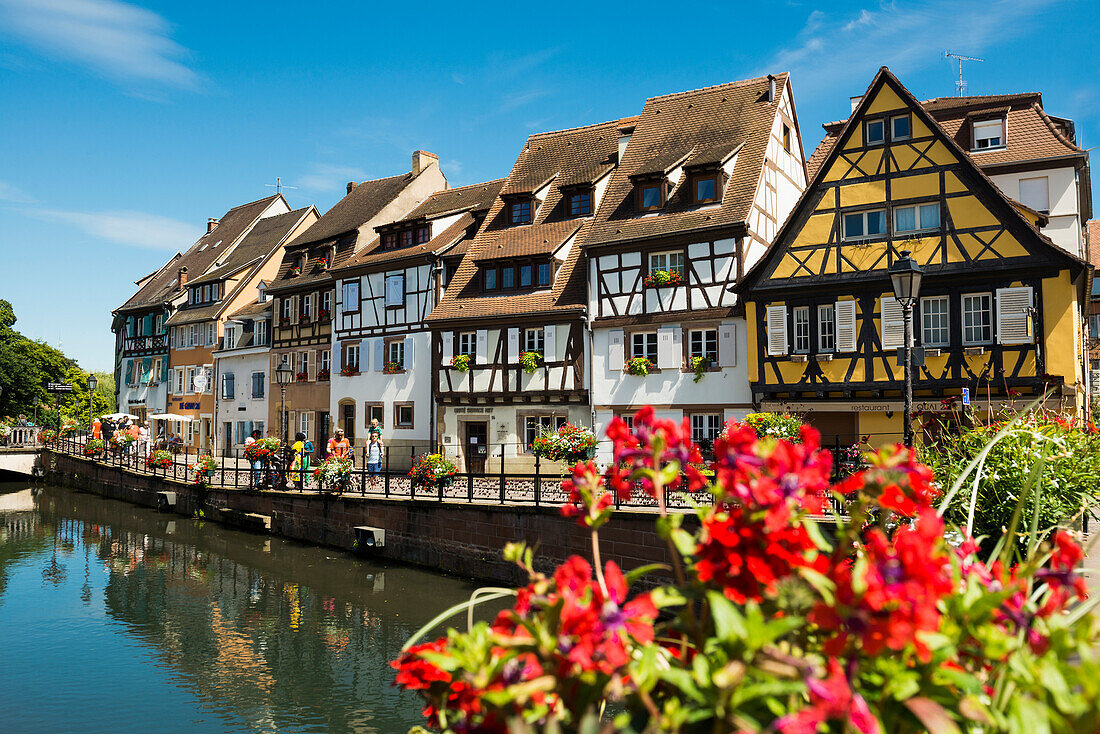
20	451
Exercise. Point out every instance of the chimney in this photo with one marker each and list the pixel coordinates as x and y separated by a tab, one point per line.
856	101
771	88
181	277
422	159
210	224
351	185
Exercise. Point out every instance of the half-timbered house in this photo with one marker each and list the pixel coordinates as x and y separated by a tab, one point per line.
304	291
384	295
518	298
705	179
1000	305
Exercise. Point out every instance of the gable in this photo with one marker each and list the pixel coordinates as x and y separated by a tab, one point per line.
891	186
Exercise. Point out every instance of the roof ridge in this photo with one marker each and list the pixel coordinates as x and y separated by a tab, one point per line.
385	178
1005	95
616	121
730	85
465	186
250	203
1054	129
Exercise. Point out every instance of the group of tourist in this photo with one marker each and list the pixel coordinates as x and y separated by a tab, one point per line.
338	447
138	432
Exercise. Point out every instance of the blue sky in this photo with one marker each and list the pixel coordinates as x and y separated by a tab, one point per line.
124	126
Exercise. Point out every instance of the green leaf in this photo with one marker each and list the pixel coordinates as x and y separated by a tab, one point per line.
636	573
933	716
821	583
667	596
729	624
447	614
683	540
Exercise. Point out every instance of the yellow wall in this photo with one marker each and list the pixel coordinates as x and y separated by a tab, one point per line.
1060	328
883	429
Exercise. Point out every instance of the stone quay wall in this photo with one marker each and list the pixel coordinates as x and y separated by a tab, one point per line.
462	538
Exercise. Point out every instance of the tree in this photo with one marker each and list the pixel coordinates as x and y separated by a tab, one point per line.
26	365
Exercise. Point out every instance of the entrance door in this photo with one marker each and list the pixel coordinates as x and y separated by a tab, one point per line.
348	416
228	439
204	438
477	447
320	447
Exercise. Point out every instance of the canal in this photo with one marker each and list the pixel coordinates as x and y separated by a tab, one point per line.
117	618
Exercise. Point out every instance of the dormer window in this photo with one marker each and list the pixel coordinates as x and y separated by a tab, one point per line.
407	238
704	187
874	132
423	234
389	241
989	134
579	203
650	195
513	276
520	212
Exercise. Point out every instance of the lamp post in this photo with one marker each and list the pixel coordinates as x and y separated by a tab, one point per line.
905	276
283	376
91	391
35	403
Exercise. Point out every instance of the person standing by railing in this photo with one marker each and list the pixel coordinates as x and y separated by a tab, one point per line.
338	446
97	429
257	465
375	450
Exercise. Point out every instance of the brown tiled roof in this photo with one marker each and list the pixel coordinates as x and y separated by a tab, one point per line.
463	228
474	197
568	157
1031	134
260	242
361	204
682	125
1092	241
530	239
202	254
253	310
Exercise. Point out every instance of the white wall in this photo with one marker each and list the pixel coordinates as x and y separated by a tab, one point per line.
242	406
1065	224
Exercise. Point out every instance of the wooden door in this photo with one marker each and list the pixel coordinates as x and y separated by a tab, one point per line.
477	446
322	434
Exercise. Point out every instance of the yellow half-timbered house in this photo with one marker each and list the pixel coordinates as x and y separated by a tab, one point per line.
1000	306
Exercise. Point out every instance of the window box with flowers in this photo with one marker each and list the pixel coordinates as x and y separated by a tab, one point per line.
700	366
663	279
530	361
303	318
461	362
569	444
284	321
393	368
323	375
203	470
434	471
323	315
301	376
640	366
294	272
349	370
323	263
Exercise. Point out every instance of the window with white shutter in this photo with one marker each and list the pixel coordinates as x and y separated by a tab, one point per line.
482	356
727	345
845	326
616	355
409	352
379	355
669	347
892	323
776	323
1014	315
395	290
446	342
513	346
349	296
550	343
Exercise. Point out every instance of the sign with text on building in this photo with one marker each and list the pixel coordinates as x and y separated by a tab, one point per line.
966	396
58	387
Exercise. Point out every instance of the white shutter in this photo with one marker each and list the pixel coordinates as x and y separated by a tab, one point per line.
211	334
513	346
448	338
893	323
393	293
550	343
1013	316
379	354
482	352
409	352
845	315
727	345
616	357
777	330
669	349
312	370
294	309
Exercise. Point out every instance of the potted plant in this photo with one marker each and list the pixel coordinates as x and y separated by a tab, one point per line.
333	473
323	375
392	368
461	362
284	321
120	441
640	366
301	376
68	426
94	447
303	318
262	449
530	361
663	278
349	369
569	443
432	470
700	366
159	460
47	435
203	470
294	272
323	315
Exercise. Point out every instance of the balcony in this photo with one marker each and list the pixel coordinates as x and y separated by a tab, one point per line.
133	344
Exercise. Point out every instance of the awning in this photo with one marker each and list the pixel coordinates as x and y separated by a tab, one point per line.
170	417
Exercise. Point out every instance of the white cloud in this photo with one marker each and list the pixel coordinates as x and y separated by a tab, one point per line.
120	41
324	177
136	229
13	194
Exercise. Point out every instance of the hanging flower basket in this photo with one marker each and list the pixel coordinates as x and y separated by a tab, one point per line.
203	470
94	447
530	361
640	366
392	368
700	366
159	460
333	474
432	470
461	362
323	375
569	443
301	376
47	435
663	278
263	449
68	426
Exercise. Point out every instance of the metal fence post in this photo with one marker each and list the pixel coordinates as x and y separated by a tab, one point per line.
502	480
386	482
537	480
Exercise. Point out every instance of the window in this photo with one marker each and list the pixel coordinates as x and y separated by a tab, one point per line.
873	132
524	276
786	137
934	324
705	427
160	324
801	329
389	241
673	262
1094	326
326	360
228	387
490	279
533	340
260	333
644	344
977	318
533	425
326	302
350	296
395	352
826	328
651	196
374	410
467	343
423	234
916	218
351	357
705	188
544	274
407	238
395	290
303	363
580	204
287	305
189	380
1035	194
303	422
507	278
899	127
258	379
230	339
179	382
196	335
989	134
703	343
403	415
521	212
307	307
864	224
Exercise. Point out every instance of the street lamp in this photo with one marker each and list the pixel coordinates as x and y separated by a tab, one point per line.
91	390
283	376
35	403
905	276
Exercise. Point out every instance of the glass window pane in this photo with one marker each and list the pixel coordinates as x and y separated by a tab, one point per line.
507	277
929	216
651	197
874	131
876	222
853	225
704	189
490	279
525	276
544	273
905	219
901	127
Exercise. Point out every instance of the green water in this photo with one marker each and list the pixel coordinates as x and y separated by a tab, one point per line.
117	618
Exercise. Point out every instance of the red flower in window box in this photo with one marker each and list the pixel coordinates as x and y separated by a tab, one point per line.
349	370
393	368
284	321
323	375
323	315
303	318
301	376
323	263
663	278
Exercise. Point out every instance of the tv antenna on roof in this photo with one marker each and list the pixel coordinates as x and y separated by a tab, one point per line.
960	85
278	186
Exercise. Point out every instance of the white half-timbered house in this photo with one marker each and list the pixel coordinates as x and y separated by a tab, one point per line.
519	295
705	180
384	295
